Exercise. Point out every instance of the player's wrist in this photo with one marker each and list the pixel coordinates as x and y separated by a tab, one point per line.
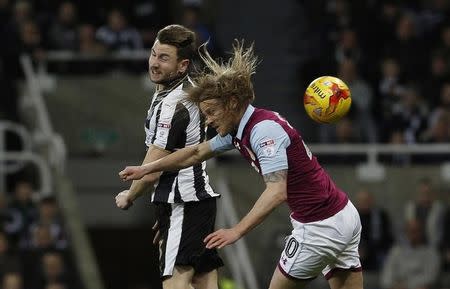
131	197
148	168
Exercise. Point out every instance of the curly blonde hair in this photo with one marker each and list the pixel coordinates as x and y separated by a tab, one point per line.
226	80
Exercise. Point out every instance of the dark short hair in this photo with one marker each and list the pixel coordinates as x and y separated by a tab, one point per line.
180	37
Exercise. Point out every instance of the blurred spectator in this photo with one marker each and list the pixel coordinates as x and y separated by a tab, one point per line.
88	44
345	132
339	17
8	260
388	17
434	81
408	116
22	13
427	210
348	48
342	132
439	129
31	40
408	48
390	87
362	104
33	248
413	265
63	33
53	269
442	109
376	234
12	280
432	17
148	17
41	239
191	19
50	218
397	137
23	209
117	35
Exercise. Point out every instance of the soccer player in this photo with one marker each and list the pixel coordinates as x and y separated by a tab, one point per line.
185	202
326	225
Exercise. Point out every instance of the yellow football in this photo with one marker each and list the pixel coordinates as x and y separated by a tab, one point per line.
327	99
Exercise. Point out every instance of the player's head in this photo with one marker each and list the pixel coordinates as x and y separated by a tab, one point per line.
225	91
171	54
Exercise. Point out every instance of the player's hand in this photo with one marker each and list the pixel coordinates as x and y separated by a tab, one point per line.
132	173
156	228
123	201
221	238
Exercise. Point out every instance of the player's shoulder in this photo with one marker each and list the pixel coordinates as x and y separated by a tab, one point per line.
179	95
267	126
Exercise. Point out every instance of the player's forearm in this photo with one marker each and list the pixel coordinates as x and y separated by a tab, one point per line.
139	188
178	160
146	184
266	203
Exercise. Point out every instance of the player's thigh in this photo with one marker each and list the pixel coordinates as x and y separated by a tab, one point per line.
346	279
207	280
280	281
348	258
181	278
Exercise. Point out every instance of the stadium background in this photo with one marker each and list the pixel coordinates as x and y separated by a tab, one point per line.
73	102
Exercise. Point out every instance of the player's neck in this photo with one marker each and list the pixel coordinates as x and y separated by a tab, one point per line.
172	82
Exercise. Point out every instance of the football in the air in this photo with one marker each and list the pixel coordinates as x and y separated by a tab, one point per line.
327	99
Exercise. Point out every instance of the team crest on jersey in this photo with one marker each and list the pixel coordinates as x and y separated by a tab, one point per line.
268	147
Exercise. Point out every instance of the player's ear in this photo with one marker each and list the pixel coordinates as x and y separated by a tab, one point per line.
233	103
183	66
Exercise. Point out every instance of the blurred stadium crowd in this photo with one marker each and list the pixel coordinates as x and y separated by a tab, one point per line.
414	256
394	55
34	245
90	29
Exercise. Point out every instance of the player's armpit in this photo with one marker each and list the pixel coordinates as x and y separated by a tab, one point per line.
275	177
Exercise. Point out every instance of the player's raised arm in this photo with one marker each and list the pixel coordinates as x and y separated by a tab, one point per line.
274	194
180	159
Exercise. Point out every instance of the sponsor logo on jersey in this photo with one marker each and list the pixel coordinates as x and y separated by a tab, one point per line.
164	125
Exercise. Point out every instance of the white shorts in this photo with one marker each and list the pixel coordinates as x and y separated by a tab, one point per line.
323	246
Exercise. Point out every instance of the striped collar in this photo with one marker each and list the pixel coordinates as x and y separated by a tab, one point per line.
172	85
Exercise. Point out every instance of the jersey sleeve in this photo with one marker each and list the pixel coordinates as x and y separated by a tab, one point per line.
269	142
172	120
221	144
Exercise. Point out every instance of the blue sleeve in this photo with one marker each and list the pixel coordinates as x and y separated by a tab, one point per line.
269	142
221	144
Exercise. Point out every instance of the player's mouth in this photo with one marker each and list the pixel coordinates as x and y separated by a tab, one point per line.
155	72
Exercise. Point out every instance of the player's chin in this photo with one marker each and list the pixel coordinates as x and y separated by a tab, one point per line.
157	78
222	131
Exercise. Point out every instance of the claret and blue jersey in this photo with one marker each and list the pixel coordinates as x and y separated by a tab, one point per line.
270	144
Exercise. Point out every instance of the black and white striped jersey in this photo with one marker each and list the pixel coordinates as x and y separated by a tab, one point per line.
173	123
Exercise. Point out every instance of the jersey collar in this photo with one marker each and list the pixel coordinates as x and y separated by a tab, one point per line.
247	114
